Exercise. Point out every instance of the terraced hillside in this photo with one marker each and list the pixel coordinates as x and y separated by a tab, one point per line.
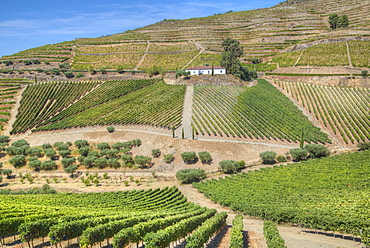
258	113
176	44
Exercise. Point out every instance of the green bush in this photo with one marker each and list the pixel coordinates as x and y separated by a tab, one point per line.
298	154
205	157
69	74
363	145
84	151
189	157
127	158
142	160
110	129
65	153
156	153
113	163
101	163
18	161
168	158
155	70
46	146
268	157
103	146
230	166
48	165
281	158
34	164
7	172
79	75
190	175
50	152
4	139
316	150
81	143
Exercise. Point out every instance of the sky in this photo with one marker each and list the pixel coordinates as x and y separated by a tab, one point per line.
26	24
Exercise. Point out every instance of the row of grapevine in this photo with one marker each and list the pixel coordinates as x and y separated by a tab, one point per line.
158	104
272	236
259	112
345	110
326	193
236	234
93	216
107	91
202	235
42	100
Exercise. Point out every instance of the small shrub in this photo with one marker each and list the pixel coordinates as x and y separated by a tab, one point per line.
156	153
229	166
154	70
189	157
205	157
190	175
110	129
281	158
48	165
364	73
268	157
46	146
103	146
79	75
69	74
168	158
364	145
7	172
298	154
316	150
18	161
142	160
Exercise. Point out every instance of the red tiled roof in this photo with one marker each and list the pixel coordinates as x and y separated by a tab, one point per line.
205	67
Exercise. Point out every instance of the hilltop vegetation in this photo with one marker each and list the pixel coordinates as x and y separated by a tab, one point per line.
173	44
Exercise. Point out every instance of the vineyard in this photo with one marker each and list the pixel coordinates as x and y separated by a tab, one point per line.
156	217
42	100
9	88
343	110
264	33
259	112
334	54
157	104
328	193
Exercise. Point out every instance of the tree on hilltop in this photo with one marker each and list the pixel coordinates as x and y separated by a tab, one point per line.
336	21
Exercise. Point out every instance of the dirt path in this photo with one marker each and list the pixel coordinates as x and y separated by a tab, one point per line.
299	58
202	49
294	237
187	113
13	112
349	55
142	58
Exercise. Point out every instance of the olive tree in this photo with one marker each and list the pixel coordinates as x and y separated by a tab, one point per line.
190	175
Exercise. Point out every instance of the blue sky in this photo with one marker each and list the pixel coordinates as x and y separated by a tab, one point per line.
26	24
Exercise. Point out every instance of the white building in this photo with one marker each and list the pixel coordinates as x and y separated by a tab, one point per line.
206	70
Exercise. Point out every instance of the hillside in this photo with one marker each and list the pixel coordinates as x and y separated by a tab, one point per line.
279	33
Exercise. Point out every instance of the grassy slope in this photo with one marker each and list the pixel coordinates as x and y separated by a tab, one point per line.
263	33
